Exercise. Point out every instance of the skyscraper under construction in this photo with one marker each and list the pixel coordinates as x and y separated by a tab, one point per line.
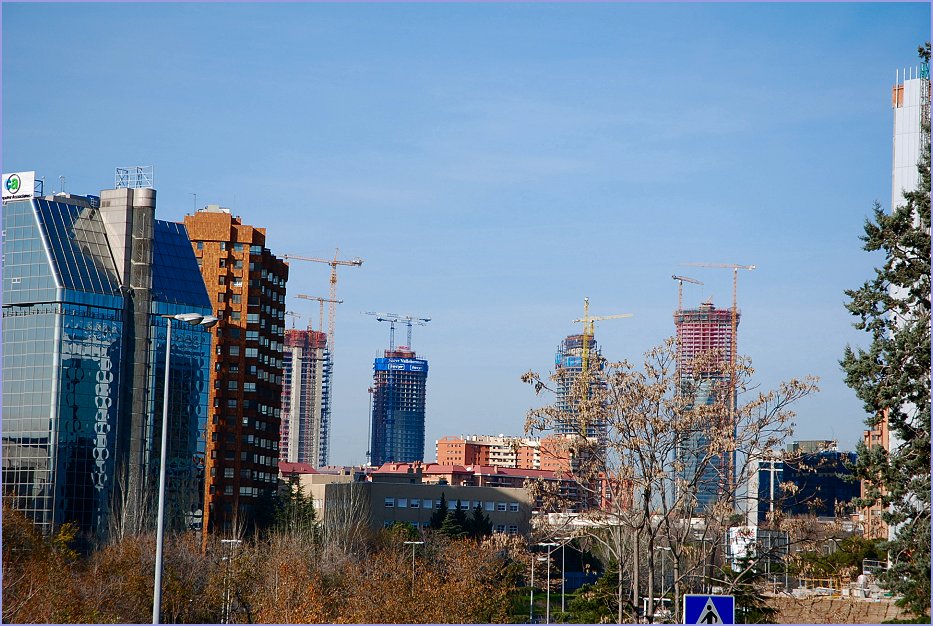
399	382
305	430
568	364
704	351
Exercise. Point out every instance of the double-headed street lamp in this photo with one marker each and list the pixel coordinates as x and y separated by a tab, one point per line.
195	319
413	544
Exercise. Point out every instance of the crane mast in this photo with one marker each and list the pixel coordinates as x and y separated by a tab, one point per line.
321	301
393	318
332	312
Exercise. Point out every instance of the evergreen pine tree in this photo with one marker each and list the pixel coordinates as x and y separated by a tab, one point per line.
460	516
439	514
452	527
892	378
479	525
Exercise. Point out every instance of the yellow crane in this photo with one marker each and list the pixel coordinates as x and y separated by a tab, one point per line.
321	301
588	327
588	331
680	289
332	312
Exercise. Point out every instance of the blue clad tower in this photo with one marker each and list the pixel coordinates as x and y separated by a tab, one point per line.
399	382
85	280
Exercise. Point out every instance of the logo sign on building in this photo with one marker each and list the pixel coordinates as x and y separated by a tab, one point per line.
19	185
709	609
401	365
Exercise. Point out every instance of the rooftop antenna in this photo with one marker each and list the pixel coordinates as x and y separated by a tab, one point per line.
61	179
191	193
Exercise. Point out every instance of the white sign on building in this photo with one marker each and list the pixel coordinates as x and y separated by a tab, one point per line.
19	185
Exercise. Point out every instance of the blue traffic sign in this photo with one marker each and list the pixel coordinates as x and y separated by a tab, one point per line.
709	609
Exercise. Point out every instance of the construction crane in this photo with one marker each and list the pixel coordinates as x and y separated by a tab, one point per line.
588	328
394	318
294	316
735	284
332	312
680	289
321	301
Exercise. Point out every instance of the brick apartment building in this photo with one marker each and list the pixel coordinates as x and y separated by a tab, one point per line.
246	283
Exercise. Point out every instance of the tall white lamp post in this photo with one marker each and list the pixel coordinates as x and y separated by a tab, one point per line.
413	544
531	610
563	570
195	319
547	614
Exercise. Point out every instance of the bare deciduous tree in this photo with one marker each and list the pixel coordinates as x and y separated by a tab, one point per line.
671	468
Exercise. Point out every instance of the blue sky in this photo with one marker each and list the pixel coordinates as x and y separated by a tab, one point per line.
495	163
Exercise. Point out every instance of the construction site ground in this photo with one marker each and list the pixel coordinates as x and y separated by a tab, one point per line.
833	610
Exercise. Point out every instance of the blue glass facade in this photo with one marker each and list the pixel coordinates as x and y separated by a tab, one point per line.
65	327
399	384
822	481
706	476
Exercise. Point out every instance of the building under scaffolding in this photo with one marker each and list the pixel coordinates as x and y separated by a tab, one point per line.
305	430
704	346
568	365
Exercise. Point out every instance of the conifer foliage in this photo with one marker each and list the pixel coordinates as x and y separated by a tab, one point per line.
892	378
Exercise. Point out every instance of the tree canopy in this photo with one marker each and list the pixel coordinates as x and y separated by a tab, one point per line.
892	378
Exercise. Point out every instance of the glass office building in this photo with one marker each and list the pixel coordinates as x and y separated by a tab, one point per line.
399	386
72	373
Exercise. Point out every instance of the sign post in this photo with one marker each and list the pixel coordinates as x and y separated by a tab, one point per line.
704	609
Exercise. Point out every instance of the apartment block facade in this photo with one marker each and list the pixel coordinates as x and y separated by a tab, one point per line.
246	283
552	453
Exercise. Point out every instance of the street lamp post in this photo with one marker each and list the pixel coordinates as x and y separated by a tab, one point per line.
531	610
413	544
547	614
194	319
563	570
663	579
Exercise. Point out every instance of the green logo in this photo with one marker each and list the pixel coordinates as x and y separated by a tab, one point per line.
12	183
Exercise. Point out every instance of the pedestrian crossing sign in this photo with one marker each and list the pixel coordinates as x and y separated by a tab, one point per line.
709	609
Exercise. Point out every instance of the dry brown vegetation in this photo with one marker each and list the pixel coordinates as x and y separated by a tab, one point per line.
281	578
